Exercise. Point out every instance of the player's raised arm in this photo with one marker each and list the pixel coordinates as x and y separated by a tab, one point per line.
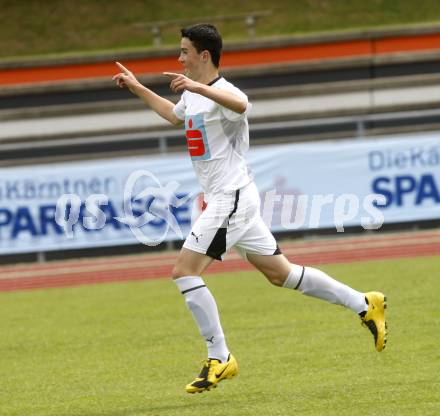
160	105
226	99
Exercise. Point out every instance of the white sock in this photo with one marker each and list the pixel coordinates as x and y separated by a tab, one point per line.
316	283
204	310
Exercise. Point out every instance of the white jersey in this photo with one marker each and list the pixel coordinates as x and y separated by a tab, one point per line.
217	140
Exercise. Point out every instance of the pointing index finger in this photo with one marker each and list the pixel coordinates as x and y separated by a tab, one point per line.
122	68
171	75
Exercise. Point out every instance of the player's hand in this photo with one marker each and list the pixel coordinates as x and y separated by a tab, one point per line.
125	78
180	82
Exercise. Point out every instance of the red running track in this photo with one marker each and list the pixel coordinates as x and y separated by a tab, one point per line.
150	266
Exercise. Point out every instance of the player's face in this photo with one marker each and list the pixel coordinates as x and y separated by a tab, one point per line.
190	59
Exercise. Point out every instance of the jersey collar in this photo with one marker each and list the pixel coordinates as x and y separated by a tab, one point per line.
214	81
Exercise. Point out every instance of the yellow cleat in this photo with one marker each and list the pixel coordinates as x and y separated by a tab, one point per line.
374	318
213	371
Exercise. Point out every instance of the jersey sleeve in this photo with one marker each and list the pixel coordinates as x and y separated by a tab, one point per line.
232	115
179	109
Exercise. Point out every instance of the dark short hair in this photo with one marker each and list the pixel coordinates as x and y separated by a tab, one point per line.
205	37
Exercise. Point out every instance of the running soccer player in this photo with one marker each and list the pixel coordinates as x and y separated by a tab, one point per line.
214	113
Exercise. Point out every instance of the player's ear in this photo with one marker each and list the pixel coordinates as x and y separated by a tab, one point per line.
206	56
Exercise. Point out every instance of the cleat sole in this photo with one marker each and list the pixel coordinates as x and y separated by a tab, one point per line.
374	319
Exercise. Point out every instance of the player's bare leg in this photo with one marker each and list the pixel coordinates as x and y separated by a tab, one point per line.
220	364
190	263
313	282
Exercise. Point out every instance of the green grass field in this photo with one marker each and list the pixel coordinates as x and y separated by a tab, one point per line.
35	27
128	349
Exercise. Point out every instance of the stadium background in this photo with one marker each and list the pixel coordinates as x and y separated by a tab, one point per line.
321	74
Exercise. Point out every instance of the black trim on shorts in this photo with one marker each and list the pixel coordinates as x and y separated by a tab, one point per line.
301	278
218	243
237	197
193	288
277	251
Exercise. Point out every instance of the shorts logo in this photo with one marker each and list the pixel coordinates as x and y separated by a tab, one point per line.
196	236
196	138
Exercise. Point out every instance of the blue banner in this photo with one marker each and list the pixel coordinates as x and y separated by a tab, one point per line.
155	198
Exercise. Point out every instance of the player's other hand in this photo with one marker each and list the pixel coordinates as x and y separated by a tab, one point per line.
125	78
180	82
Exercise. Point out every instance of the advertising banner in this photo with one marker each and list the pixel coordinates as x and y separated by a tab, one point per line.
152	199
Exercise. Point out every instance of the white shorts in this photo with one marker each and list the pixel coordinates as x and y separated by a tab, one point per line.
232	220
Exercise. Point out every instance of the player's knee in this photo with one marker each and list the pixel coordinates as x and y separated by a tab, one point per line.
180	270
177	272
275	278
